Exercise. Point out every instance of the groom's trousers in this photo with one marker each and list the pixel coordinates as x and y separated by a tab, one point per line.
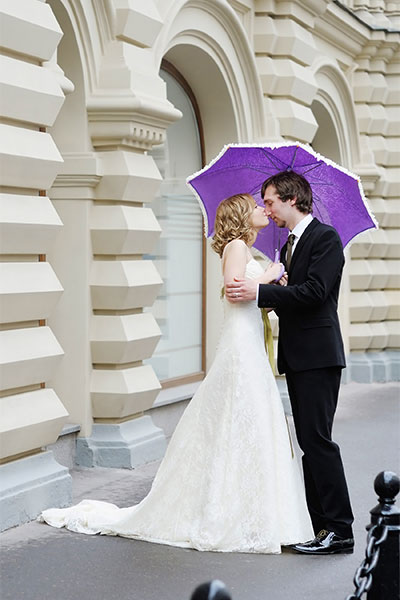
313	395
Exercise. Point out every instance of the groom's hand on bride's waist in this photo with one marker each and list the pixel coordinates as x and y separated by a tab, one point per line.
241	290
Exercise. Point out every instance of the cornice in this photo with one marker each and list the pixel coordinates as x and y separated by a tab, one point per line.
341	30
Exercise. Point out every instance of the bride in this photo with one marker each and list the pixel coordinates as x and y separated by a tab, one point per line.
228	481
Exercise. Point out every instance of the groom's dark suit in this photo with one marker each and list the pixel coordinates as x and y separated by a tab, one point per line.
310	353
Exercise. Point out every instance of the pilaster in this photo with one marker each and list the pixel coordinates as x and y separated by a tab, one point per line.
32	413
127	115
374	277
285	49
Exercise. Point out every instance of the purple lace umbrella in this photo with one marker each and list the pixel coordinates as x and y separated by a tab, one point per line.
338	197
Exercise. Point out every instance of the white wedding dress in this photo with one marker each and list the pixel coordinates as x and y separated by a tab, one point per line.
228	481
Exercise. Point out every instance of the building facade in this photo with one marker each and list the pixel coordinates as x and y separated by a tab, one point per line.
109	294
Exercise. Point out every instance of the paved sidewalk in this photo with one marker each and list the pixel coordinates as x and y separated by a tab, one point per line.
42	563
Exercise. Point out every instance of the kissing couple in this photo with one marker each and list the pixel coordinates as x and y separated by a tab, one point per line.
229	481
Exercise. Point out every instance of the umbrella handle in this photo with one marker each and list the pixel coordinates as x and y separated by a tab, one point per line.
277	255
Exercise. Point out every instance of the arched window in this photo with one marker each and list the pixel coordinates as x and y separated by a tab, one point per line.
179	256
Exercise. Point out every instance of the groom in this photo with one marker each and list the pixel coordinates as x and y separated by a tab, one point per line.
310	351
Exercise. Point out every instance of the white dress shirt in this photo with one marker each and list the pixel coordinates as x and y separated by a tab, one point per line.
297	232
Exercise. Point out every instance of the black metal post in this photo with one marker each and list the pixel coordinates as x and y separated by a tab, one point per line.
386	574
212	590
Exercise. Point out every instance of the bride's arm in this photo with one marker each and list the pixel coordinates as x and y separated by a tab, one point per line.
244	290
234	261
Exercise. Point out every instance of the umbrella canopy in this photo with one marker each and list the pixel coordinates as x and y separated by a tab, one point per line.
338	197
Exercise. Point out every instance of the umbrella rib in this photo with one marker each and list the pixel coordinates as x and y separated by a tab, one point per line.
325	218
264	151
294	157
312	168
255	189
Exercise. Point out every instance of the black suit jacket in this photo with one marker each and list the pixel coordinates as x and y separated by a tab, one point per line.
309	330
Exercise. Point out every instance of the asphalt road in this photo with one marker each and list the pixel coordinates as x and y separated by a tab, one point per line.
42	563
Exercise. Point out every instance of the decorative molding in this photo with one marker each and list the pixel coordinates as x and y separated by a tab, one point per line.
129	121
182	26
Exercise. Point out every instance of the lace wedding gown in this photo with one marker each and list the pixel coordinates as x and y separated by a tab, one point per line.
228	481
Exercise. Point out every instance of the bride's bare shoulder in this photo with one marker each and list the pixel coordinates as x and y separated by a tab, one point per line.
235	253
236	245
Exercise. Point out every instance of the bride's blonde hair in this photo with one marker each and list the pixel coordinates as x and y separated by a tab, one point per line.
232	221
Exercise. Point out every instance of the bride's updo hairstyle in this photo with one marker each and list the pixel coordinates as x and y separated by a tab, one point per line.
232	221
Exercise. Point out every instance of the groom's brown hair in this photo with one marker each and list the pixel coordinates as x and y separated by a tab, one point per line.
291	185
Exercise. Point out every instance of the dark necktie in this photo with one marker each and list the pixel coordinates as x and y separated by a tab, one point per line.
290	242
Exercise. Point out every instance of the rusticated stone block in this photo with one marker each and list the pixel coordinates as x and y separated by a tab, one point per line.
394	335
388	185
28	224
27	356
360	307
128	176
29	159
137	21
393	301
29	421
379	336
29	28
380	306
284	77
359	336
29	92
123	230
120	285
119	393
296	121
119	339
28	291
379	274
372	243
284	37
362	86
360	275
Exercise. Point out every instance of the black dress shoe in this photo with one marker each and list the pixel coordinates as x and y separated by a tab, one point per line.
326	542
